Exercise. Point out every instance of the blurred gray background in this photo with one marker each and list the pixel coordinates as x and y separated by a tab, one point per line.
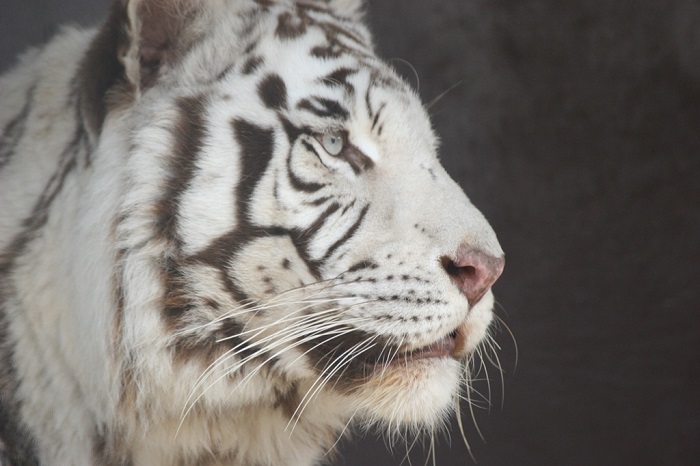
575	127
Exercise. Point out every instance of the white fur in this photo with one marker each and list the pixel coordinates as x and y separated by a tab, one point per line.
75	352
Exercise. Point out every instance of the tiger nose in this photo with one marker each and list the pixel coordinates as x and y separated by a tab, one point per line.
473	271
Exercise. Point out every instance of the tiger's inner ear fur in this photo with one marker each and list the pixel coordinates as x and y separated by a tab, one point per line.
156	31
138	43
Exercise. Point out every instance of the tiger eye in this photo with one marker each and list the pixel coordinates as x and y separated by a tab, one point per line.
332	143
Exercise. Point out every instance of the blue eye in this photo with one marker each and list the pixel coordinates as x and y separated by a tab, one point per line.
332	143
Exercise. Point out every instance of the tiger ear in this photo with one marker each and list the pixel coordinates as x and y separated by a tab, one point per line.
155	37
350	7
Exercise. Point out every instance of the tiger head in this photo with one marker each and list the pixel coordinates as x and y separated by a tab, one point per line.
284	221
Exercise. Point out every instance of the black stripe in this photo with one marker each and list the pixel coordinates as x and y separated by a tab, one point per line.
333	31
319	201
348	207
302	238
223	73
273	92
328	51
299	184
308	146
18	442
324	108
220	253
300	242
14	130
368	101
339	77
321	219
293	132
291	27
348	234
365	264
251	64
189	133
256	150
376	117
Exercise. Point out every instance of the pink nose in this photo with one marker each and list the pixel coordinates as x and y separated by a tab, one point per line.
473	271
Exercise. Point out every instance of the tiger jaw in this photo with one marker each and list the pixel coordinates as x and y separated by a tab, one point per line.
449	346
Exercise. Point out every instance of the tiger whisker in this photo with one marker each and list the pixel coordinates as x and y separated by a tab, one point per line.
502	324
460	424
341	434
241	346
468	394
443	94
289	334
491	344
247	344
347	356
239	364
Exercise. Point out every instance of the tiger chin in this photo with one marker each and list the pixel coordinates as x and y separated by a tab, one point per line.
225	239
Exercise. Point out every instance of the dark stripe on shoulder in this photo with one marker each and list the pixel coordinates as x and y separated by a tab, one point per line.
41	210
18	442
189	134
14	129
323	107
273	92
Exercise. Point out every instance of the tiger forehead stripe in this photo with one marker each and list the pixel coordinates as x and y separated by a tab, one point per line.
339	77
290	26
273	92
323	107
251	64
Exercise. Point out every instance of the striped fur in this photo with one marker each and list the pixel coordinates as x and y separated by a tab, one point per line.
224	236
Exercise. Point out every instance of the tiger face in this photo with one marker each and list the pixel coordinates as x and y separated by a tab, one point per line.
270	231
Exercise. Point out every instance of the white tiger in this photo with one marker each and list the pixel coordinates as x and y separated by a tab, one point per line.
224	236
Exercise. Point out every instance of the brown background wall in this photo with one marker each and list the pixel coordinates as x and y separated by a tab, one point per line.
575	127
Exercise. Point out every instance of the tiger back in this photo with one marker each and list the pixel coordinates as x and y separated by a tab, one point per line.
225	236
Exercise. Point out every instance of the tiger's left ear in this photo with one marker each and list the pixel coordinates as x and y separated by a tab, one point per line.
156	36
136	45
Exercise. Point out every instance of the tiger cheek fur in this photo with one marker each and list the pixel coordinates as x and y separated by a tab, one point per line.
227	237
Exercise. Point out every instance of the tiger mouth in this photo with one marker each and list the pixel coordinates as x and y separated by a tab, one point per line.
451	345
